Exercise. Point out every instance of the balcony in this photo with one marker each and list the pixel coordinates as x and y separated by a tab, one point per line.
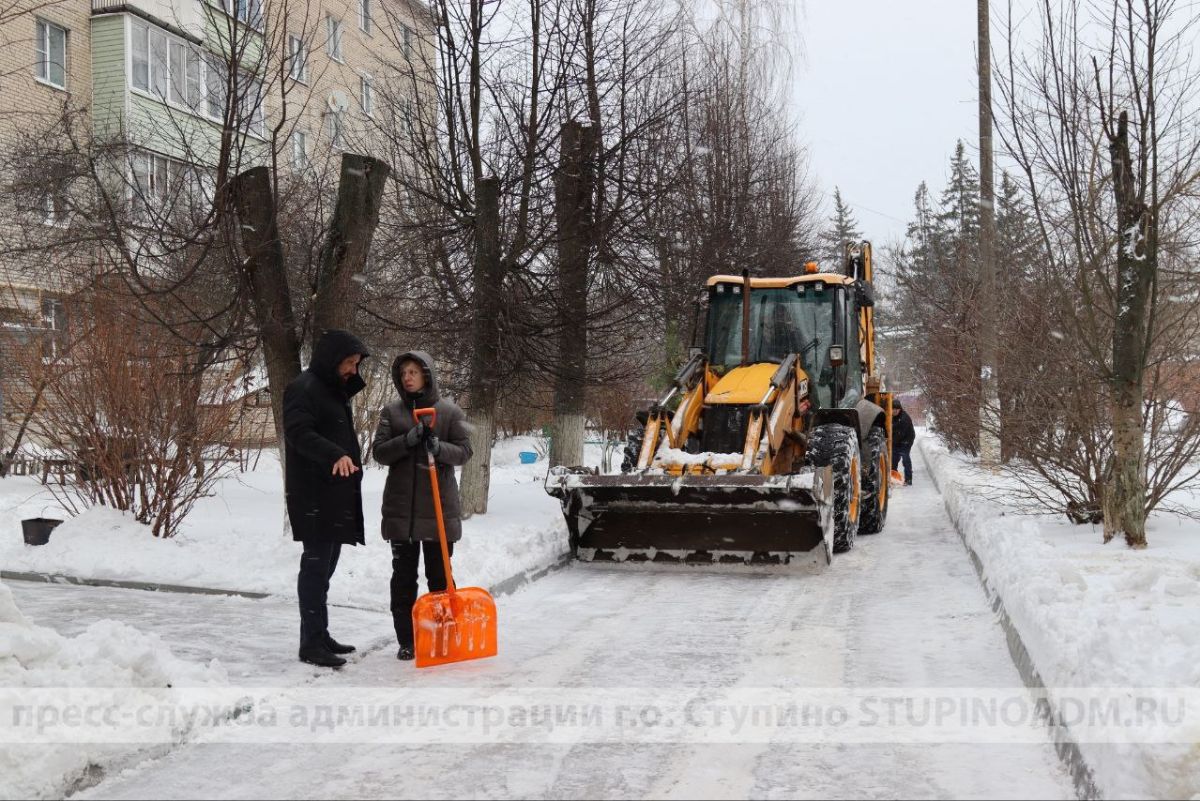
183	19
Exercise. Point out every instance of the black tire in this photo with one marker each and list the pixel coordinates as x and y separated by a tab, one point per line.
836	446
875	494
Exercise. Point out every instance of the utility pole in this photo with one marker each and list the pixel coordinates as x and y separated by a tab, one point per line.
989	408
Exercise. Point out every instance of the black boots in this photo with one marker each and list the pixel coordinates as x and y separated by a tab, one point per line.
336	647
320	656
405	653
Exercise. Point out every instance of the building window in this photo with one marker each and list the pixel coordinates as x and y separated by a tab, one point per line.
179	74
53	324
406	113
250	106
298	59
55	209
367	89
216	79
52	54
184	78
299	150
406	36
333	42
158	64
160	185
364	16
247	11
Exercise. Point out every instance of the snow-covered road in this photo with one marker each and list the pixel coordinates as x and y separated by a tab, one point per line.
904	611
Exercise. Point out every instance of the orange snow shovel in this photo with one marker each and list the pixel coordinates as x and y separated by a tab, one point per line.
458	624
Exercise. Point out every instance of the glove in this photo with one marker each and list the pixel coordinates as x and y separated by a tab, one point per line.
432	444
416	434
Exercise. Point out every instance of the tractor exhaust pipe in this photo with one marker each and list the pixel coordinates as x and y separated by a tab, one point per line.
745	317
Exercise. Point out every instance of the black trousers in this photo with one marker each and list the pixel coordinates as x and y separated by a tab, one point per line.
902	453
317	564
405	556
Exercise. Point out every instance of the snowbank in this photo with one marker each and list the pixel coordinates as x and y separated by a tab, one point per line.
108	655
235	540
1093	615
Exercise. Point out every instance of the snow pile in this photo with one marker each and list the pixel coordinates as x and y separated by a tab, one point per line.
236	541
1094	616
671	457
108	655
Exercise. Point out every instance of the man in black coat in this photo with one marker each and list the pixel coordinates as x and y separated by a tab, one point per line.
323	481
903	437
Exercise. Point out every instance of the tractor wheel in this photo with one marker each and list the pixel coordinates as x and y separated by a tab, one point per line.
836	446
875	471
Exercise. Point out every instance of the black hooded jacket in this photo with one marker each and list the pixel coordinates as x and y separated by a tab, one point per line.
408	511
319	426
903	433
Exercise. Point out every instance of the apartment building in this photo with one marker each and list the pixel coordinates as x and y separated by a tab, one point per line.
182	83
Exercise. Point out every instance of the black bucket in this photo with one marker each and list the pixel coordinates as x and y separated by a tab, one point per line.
36	530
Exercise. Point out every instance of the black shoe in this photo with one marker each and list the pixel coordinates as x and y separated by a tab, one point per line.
320	656
336	647
908	483
406	653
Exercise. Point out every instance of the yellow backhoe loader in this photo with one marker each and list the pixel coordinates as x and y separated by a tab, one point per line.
774	440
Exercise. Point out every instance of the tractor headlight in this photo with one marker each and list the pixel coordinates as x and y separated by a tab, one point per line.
837	355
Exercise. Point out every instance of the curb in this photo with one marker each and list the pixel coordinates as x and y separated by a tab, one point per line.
504	587
1065	745
62	578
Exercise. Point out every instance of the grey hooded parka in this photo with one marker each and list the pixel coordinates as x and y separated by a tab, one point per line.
408	512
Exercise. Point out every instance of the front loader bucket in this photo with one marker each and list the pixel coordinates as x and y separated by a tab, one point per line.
701	519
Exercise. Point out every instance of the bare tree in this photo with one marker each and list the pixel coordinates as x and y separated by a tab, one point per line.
1097	120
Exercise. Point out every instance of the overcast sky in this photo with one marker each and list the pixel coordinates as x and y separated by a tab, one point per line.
882	90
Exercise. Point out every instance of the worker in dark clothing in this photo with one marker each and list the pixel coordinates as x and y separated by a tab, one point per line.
323	481
903	437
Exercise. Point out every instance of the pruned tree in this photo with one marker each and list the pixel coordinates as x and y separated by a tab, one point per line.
1096	116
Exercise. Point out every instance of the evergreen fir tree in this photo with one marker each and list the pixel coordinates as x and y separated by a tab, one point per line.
842	228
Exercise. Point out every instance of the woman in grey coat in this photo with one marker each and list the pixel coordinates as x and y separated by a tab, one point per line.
409	520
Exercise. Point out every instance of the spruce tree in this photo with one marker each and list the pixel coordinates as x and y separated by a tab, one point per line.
842	228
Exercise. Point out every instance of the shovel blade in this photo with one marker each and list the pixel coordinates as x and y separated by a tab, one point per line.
454	627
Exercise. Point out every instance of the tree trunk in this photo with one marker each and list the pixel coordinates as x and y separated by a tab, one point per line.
267	276
483	386
573	206
989	406
344	257
1125	511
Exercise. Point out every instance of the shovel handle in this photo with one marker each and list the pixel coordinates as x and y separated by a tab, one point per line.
437	499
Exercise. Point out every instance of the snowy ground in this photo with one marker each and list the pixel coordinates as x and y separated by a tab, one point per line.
903	616
1097	616
235	539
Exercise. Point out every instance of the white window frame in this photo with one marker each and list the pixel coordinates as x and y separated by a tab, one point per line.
406	36
299	140
366	92
248	12
53	322
42	67
365	23
298	59
203	74
55	209
157	169
333	38
407	112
